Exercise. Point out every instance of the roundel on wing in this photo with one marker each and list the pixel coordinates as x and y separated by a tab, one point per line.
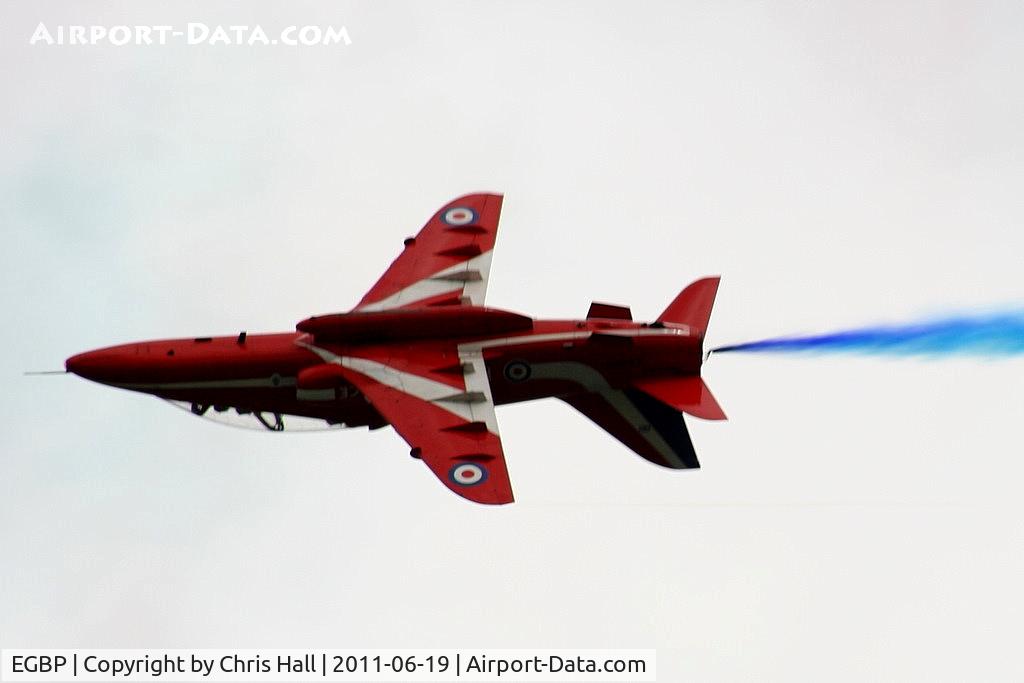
459	215
517	371
468	474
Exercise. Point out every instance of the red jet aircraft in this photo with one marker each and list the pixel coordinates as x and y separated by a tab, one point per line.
421	352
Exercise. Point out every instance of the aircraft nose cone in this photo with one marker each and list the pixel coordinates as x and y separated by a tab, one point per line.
99	366
83	364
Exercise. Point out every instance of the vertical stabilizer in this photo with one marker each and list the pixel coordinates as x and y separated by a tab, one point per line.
693	305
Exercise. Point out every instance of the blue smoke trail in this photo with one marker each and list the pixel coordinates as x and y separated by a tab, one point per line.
992	335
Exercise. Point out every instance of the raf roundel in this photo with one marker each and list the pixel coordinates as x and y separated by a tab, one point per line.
468	474
517	371
459	215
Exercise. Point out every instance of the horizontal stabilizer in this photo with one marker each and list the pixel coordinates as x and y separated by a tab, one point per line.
686	394
651	429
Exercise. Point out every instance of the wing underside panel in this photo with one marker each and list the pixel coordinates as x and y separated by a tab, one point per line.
447	263
450	428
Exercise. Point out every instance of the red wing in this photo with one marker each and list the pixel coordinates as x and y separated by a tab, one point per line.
452	429
448	262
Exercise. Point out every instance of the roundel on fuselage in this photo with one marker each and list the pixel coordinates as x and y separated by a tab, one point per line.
517	371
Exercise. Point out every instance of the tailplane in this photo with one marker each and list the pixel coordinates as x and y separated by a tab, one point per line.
687	394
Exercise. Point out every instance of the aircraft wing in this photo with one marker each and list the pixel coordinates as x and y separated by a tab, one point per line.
447	263
440	403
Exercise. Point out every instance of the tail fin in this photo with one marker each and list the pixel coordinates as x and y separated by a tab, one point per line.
693	305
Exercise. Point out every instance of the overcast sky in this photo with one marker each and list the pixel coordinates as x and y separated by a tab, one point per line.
837	165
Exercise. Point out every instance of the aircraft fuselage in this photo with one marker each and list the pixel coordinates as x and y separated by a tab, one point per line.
284	374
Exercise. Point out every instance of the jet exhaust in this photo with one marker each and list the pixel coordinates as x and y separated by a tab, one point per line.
995	334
